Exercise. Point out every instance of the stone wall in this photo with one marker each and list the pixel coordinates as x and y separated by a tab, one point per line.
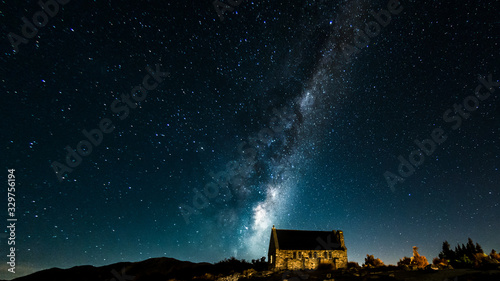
309	259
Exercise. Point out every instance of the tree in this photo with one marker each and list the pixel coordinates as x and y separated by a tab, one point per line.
418	260
471	248
460	250
446	253
464	256
479	249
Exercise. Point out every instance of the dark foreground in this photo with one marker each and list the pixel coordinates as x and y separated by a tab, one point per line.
162	269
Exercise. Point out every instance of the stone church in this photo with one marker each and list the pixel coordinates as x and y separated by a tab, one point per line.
300	249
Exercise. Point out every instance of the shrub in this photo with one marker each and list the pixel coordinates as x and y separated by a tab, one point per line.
404	261
479	259
463	262
440	262
233	264
353	264
260	265
373	262
494	255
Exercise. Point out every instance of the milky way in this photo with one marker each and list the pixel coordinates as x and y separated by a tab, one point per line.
294	146
284	113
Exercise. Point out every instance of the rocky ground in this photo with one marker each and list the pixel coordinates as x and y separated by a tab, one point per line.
372	274
163	269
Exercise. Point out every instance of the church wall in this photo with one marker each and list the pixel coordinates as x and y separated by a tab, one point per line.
309	259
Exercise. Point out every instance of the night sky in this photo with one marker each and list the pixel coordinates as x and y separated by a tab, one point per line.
293	114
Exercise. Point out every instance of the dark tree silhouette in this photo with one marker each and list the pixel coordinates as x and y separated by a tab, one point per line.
464	256
479	249
446	253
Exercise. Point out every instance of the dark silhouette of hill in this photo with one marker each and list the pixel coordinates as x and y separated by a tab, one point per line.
151	269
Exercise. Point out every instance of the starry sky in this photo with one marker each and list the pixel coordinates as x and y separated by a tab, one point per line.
298	114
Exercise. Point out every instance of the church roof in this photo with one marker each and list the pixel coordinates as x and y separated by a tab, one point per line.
307	240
